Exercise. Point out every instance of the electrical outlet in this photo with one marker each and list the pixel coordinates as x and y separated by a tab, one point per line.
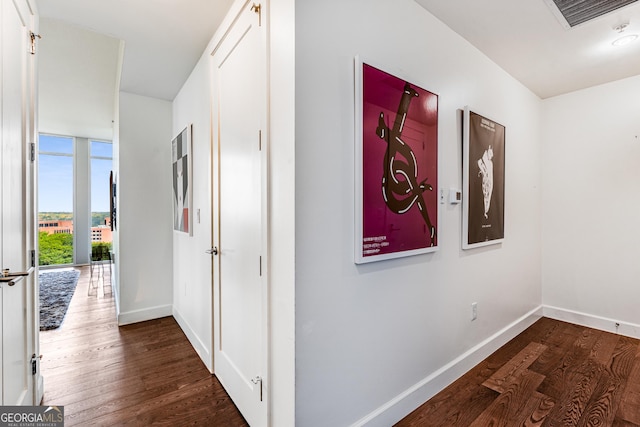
474	311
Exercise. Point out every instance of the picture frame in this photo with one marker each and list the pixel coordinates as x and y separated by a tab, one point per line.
112	200
396	166
181	157
483	194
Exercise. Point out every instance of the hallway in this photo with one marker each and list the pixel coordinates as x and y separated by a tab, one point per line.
140	374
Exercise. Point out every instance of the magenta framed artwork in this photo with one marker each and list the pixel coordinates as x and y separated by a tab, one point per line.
396	166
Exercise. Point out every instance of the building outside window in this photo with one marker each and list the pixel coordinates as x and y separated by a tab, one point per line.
71	225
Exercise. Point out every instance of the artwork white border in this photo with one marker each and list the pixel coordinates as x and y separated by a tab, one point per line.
189	146
358	169
465	180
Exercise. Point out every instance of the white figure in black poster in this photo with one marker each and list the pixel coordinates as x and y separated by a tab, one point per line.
485	220
486	171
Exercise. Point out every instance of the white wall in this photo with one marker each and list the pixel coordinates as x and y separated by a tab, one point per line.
78	77
282	185
115	244
367	334
591	205
145	219
192	291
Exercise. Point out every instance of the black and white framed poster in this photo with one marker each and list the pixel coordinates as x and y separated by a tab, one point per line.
182	188
483	180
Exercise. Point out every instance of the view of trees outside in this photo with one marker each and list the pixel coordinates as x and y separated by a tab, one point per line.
56	195
57	248
101	165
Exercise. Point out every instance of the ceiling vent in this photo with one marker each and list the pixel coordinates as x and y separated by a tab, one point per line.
575	12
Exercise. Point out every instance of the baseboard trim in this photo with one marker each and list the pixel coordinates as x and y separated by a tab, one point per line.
403	404
144	314
589	320
23	400
39	384
203	352
116	297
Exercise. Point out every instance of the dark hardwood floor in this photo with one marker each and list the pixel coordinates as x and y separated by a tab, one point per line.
142	374
553	374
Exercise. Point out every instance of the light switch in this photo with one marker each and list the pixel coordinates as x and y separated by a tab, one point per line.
455	196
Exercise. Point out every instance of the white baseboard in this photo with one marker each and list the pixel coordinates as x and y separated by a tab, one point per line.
144	314
39	389
23	399
194	339
597	322
403	404
116	296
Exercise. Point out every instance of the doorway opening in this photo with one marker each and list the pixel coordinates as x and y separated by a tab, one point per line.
74	220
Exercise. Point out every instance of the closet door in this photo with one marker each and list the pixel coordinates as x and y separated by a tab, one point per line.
240	282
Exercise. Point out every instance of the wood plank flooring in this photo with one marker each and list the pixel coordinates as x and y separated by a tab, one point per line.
553	374
140	375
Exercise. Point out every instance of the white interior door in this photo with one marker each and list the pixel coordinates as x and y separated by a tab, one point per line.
17	299
31	210
240	285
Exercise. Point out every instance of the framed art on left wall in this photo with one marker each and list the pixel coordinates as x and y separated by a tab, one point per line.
396	166
113	195
181	148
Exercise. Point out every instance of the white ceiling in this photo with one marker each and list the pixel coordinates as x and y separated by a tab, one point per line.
526	39
163	38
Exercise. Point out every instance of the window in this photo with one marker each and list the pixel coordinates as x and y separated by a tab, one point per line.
101	166
73	196
55	199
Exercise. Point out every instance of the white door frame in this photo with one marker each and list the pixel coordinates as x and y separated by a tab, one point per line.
32	206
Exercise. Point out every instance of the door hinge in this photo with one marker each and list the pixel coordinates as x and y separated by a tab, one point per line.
257	8
33	257
34	364
260	261
32	151
34	36
260	140
257	380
